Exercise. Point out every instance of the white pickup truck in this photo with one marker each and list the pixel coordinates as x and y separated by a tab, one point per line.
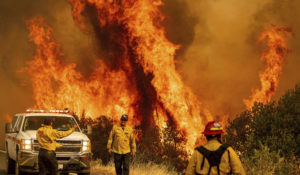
22	147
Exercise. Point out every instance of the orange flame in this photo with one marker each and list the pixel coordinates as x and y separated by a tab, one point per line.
58	85
8	118
273	57
144	83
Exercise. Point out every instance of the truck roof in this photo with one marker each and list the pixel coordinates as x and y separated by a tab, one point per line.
44	114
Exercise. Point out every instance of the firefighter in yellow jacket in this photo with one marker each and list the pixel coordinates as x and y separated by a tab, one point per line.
46	137
122	143
214	158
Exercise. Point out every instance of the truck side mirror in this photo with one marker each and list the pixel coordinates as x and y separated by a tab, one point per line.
8	128
89	129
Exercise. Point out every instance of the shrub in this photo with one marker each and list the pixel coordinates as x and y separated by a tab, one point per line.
276	125
268	135
101	128
159	146
266	162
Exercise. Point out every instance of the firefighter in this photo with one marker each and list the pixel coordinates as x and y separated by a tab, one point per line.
46	137
122	143
214	158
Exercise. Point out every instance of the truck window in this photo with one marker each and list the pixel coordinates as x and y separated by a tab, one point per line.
60	122
19	123
14	120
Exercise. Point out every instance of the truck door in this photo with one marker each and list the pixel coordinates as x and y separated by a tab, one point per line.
16	122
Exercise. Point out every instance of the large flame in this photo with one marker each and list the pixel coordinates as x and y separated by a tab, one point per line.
142	82
58	85
273	58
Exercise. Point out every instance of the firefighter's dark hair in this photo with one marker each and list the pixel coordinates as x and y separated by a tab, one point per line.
210	137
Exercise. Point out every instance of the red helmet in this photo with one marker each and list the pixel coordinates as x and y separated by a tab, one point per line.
213	128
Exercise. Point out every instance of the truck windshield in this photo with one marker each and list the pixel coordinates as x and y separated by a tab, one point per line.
60	123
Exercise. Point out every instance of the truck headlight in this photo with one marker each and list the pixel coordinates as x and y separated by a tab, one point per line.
25	144
86	146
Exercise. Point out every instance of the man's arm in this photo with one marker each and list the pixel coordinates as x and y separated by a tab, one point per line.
61	134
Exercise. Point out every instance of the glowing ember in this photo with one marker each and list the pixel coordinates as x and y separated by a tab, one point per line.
273	57
144	83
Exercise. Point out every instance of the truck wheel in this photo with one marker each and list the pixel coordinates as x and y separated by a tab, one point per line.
10	165
83	173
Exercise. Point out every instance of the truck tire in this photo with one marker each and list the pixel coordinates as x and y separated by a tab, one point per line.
10	165
83	173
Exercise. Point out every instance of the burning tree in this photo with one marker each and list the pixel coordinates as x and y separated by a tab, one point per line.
139	79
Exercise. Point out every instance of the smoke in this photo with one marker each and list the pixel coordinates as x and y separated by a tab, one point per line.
222	62
180	24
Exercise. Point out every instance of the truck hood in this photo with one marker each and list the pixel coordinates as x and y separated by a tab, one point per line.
74	136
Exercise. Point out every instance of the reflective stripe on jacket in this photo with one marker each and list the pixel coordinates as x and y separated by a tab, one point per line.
46	136
235	166
121	141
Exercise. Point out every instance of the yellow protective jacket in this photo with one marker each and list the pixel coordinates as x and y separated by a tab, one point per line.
121	141
46	136
235	166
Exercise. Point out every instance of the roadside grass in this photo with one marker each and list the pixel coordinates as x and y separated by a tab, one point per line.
136	168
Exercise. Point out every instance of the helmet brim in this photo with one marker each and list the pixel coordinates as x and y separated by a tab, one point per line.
212	132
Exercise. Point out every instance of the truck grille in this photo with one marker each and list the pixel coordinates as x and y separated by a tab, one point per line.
67	146
68	149
68	141
64	141
62	149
